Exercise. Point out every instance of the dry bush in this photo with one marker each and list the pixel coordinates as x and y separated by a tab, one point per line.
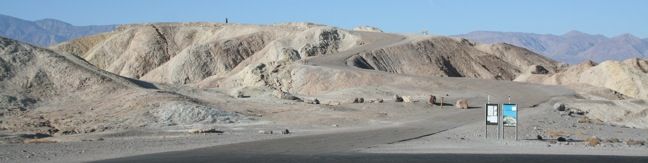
593	141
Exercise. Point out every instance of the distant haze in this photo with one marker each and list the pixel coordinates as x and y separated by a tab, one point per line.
571	47
45	32
441	17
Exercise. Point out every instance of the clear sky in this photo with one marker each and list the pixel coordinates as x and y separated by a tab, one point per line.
444	17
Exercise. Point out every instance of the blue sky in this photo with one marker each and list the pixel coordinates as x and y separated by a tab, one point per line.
444	17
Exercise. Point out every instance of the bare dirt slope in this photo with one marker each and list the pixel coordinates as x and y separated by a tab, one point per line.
187	53
58	93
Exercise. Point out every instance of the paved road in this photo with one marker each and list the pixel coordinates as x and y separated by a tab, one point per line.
358	157
340	147
334	143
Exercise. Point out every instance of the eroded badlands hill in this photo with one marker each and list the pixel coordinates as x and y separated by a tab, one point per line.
59	93
628	77
234	55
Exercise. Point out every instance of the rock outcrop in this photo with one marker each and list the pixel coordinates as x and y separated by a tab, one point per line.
297	58
629	77
449	57
367	29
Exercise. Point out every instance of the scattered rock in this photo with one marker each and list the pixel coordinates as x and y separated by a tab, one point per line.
631	142
333	103
408	99
584	120
289	54
376	101
286	131
579	112
335	125
239	94
562	139
398	98
432	100
358	100
367	29
461	104
314	101
265	132
559	106
208	130
593	141
34	141
537	69
553	141
284	95
35	136
612	140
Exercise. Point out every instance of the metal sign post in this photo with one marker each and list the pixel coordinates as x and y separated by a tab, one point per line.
517	122
499	124
486	117
486	126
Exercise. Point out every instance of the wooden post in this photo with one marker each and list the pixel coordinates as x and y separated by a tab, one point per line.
442	101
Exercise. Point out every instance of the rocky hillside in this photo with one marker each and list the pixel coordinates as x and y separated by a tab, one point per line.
45	32
442	56
234	55
628	77
572	47
42	90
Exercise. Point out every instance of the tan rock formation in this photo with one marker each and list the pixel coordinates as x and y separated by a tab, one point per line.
629	77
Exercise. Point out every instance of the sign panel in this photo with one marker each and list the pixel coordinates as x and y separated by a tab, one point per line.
492	111
509	115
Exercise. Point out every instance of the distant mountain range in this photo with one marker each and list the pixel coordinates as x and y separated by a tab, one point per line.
571	47
45	32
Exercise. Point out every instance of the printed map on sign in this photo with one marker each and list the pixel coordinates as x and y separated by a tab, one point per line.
510	114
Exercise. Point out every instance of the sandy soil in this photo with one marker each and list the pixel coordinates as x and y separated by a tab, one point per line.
542	121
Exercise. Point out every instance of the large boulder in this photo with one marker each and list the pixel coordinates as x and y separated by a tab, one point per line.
559	106
408	99
593	141
461	104
432	100
284	95
398	98
358	100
